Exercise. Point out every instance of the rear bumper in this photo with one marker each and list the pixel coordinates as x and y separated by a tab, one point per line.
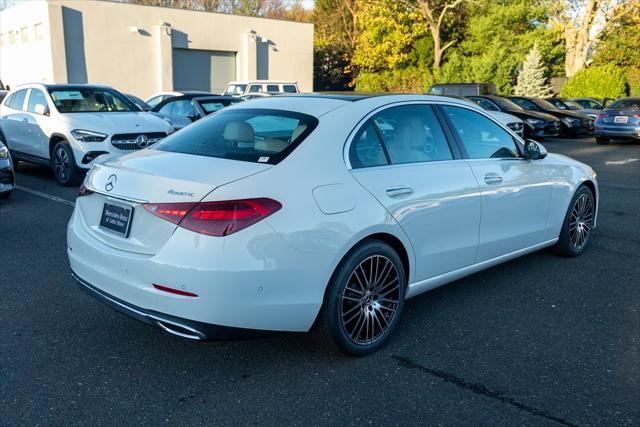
627	133
252	280
184	328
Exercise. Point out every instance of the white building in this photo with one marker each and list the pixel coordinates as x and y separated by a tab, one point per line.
144	49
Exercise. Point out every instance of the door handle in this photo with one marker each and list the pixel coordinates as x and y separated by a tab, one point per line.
492	178
399	191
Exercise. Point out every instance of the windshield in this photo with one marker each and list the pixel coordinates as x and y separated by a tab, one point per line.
211	106
506	104
235	90
90	100
573	105
247	134
545	104
625	104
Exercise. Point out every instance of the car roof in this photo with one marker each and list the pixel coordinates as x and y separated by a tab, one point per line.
319	104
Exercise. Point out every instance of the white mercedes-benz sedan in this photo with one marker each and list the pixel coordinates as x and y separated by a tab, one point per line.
323	213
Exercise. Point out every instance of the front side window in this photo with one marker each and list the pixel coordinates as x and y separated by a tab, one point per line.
17	100
412	134
273	88
248	134
255	88
90	100
482	138
182	108
36	97
366	149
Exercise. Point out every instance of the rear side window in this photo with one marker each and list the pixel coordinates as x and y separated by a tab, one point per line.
411	134
17	100
248	134
366	149
273	88
482	138
289	89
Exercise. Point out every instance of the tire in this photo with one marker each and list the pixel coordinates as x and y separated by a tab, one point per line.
353	301
6	194
63	165
602	141
577	227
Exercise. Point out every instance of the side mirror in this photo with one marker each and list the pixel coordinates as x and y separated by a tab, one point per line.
193	116
533	150
42	109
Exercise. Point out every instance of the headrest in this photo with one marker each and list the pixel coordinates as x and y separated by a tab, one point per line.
299	130
271	145
238	132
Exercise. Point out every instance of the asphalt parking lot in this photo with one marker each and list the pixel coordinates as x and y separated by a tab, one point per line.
539	340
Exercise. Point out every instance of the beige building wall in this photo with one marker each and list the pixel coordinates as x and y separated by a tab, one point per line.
130	46
26	45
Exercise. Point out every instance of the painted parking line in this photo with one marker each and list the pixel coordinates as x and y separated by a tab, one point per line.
46	196
620	162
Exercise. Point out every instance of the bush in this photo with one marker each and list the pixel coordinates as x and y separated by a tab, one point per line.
633	79
601	81
407	80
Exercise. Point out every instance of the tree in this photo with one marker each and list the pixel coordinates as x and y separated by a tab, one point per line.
435	13
335	38
497	37
387	31
603	81
582	23
532	80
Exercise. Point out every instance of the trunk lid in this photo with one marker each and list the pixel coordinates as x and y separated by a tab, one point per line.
621	117
151	176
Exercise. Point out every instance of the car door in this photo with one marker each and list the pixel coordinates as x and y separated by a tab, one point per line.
516	192
403	158
13	120
37	115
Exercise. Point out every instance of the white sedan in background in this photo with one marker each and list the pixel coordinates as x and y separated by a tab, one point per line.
293	213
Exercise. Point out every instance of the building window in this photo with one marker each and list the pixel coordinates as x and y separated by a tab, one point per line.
24	34
38	32
12	37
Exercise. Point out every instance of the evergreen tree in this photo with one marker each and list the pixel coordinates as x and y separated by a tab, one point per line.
531	80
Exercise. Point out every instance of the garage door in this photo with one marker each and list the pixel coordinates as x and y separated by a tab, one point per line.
206	70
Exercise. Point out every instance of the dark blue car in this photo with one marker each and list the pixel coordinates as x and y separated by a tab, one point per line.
7	175
619	120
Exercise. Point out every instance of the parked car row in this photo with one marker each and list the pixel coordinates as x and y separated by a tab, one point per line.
67	127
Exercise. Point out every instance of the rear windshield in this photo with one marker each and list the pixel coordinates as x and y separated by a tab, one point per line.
247	134
90	100
625	104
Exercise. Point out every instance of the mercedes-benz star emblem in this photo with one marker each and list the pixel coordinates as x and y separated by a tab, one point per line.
142	141
111	181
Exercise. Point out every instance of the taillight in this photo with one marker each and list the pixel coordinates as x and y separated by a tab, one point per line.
215	218
602	115
83	191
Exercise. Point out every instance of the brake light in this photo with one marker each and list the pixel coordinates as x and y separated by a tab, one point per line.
602	115
215	218
84	191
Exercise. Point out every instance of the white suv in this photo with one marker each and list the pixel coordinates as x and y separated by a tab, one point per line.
67	127
245	87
